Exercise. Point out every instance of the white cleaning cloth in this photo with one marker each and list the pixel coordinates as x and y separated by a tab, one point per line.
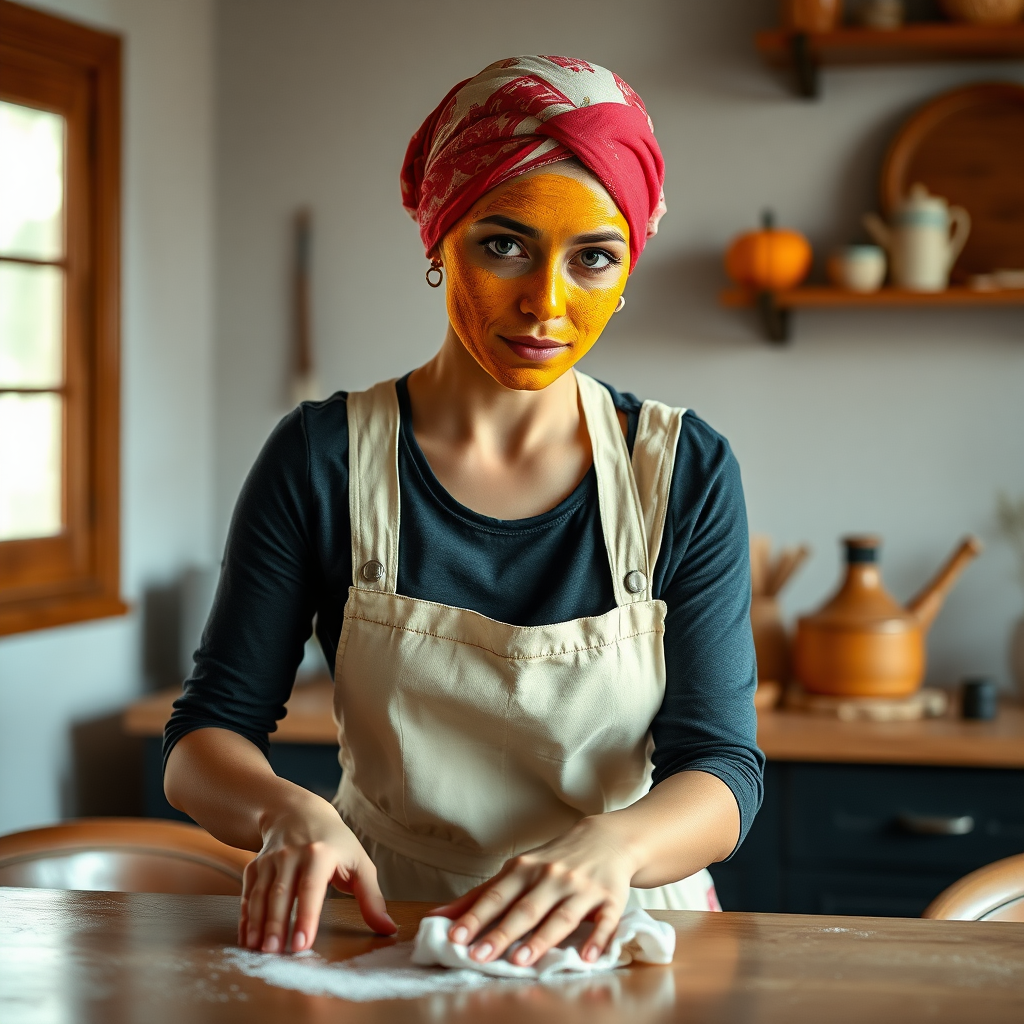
639	937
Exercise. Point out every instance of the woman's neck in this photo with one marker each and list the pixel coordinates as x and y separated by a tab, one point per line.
454	398
506	454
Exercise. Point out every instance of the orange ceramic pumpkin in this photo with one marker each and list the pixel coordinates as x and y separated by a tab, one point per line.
769	260
811	15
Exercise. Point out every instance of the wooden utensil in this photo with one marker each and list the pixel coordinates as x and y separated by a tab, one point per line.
771	639
303	384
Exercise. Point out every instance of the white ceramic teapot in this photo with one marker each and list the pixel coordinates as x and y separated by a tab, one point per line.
921	245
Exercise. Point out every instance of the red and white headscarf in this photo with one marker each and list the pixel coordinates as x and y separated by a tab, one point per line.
526	112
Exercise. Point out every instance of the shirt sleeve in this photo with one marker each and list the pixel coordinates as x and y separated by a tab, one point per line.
266	596
707	721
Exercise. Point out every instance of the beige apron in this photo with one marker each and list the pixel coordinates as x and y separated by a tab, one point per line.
465	741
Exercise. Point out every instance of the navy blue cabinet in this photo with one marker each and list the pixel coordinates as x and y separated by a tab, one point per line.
877	840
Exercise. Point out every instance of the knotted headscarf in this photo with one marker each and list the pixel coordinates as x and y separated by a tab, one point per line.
527	112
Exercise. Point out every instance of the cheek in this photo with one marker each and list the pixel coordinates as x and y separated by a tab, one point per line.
475	298
591	310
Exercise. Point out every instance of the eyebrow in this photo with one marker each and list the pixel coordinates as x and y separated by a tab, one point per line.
524	229
512	225
599	236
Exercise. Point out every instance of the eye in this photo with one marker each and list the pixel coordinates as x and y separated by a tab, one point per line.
504	247
596	259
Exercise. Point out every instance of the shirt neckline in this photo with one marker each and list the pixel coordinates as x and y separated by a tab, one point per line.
565	508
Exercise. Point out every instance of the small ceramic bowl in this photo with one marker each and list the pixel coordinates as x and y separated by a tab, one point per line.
858	268
881	14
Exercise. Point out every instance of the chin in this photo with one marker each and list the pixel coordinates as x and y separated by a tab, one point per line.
526	378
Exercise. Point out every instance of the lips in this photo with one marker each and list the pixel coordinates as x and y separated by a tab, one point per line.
534	350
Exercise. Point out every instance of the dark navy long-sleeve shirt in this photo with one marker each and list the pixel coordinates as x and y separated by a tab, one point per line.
288	558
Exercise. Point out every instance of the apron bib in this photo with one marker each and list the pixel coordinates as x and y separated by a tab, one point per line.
465	741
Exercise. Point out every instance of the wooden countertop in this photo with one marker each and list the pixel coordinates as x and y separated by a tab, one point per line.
782	735
802	736
127	957
309	719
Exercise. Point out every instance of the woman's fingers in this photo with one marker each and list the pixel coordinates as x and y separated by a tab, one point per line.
560	923
525	914
249	876
491	901
458	907
257	901
310	891
280	897
605	923
368	895
360	879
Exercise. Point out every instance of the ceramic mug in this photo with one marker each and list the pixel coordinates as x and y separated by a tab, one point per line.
858	268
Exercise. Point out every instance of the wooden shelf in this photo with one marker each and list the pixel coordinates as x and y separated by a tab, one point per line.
806	53
775	307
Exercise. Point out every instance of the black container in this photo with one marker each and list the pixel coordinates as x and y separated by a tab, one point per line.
978	699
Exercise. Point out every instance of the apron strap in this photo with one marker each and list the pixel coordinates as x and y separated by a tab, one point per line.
622	519
374	504
654	458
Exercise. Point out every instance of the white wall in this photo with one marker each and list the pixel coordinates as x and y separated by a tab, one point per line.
901	422
897	421
54	679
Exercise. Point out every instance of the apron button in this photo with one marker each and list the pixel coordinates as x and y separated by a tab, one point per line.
373	571
635	581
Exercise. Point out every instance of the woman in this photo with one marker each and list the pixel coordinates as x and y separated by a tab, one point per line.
533	590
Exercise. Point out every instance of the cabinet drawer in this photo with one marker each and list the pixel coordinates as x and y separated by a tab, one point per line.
861	893
902	817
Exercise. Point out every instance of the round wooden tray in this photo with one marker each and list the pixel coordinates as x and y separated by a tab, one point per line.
968	145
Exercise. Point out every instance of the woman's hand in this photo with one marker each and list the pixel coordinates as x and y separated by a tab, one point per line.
225	783
305	848
582	875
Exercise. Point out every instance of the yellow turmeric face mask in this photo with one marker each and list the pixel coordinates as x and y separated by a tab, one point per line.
534	272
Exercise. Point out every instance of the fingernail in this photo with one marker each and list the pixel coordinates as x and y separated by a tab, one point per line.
298	942
272	945
591	954
482	952
252	938
460	935
523	954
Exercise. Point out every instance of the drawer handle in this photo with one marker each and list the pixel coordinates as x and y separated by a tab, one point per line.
935	825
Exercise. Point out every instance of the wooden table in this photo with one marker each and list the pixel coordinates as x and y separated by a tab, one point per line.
117	957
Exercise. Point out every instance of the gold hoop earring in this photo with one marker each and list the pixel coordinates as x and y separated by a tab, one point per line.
435	268
620	303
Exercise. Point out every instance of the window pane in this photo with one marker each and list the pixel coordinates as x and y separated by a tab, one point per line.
30	465
31	182
31	326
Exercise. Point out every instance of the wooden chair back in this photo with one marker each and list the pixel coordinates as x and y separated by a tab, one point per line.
122	855
992	893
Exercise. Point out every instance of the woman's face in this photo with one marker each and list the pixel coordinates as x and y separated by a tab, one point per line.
535	270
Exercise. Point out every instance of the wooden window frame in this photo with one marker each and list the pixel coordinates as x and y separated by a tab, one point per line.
51	63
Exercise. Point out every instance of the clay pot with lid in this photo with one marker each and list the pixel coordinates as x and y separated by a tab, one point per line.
863	643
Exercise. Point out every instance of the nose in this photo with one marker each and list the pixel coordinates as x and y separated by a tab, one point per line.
544	295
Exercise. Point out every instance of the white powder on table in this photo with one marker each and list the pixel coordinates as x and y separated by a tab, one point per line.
386	973
391	973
